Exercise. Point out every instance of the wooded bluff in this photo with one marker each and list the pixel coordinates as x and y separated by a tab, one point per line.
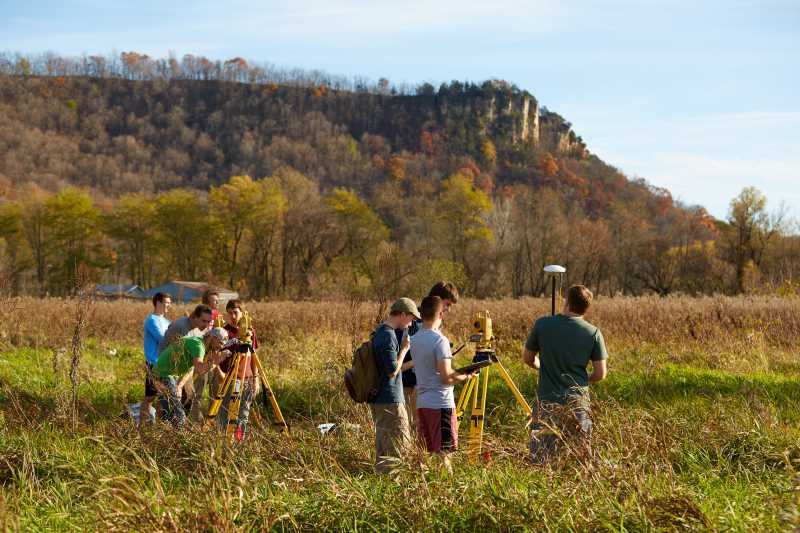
307	187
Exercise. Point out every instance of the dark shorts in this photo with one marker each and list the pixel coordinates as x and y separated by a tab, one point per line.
438	429
149	388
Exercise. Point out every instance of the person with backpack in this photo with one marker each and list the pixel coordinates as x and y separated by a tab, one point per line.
392	432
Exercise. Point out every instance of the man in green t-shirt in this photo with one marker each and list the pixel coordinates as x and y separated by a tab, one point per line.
565	344
174	363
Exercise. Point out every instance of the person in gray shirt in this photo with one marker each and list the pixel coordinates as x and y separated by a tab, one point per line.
200	319
436	408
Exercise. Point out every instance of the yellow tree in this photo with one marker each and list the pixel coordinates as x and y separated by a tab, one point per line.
752	231
132	224
184	233
72	225
264	229
362	231
13	235
489	151
463	211
232	208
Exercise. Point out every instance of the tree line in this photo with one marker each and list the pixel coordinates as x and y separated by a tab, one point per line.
281	236
132	65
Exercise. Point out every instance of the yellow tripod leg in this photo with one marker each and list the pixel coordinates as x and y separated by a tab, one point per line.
465	395
276	409
222	390
514	390
236	396
475	438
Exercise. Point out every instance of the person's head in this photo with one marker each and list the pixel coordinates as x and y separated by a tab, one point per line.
235	311
211	298
402	313
447	292
161	303
578	300
201	317
431	309
215	338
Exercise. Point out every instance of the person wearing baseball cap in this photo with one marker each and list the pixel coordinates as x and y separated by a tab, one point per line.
392	432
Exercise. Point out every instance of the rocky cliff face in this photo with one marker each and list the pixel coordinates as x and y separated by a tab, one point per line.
515	114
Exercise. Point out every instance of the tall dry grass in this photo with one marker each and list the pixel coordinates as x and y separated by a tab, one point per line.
723	329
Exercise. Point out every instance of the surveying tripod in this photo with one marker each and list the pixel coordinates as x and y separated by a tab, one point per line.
476	387
233	385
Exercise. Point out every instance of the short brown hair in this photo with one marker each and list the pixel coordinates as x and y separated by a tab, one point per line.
579	298
233	304
445	290
202	309
430	307
207	294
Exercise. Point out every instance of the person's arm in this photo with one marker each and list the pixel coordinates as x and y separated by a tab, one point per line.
200	366
599	371
447	373
407	365
530	358
401	354
529	354
184	380
598	358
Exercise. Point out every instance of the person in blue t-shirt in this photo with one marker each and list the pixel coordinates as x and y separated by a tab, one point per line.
155	325
392	434
449	296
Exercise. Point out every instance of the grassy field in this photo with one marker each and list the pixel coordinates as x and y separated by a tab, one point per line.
696	428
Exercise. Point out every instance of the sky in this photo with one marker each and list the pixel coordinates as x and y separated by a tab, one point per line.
699	97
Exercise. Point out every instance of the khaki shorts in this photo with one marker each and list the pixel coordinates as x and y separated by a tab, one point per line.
392	434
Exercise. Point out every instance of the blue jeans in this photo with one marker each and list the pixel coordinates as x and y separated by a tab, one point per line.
555	425
170	398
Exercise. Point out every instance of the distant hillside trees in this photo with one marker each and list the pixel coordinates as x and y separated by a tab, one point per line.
297	184
280	237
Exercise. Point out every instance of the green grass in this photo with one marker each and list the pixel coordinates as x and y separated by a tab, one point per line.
677	446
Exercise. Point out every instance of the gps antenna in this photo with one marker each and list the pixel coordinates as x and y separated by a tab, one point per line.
556	272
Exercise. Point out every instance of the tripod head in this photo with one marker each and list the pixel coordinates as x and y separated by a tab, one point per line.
245	326
482	336
238	346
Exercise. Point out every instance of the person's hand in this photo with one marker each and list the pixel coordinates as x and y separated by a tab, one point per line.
406	344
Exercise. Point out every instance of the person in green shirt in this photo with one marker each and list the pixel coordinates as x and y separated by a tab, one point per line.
561	347
174	362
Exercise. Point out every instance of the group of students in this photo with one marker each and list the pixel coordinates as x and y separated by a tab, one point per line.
185	357
414	362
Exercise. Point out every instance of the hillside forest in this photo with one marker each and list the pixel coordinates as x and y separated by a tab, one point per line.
298	184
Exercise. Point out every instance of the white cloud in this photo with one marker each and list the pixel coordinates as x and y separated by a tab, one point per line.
713	181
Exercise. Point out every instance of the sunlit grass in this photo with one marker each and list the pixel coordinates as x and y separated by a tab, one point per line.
693	434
